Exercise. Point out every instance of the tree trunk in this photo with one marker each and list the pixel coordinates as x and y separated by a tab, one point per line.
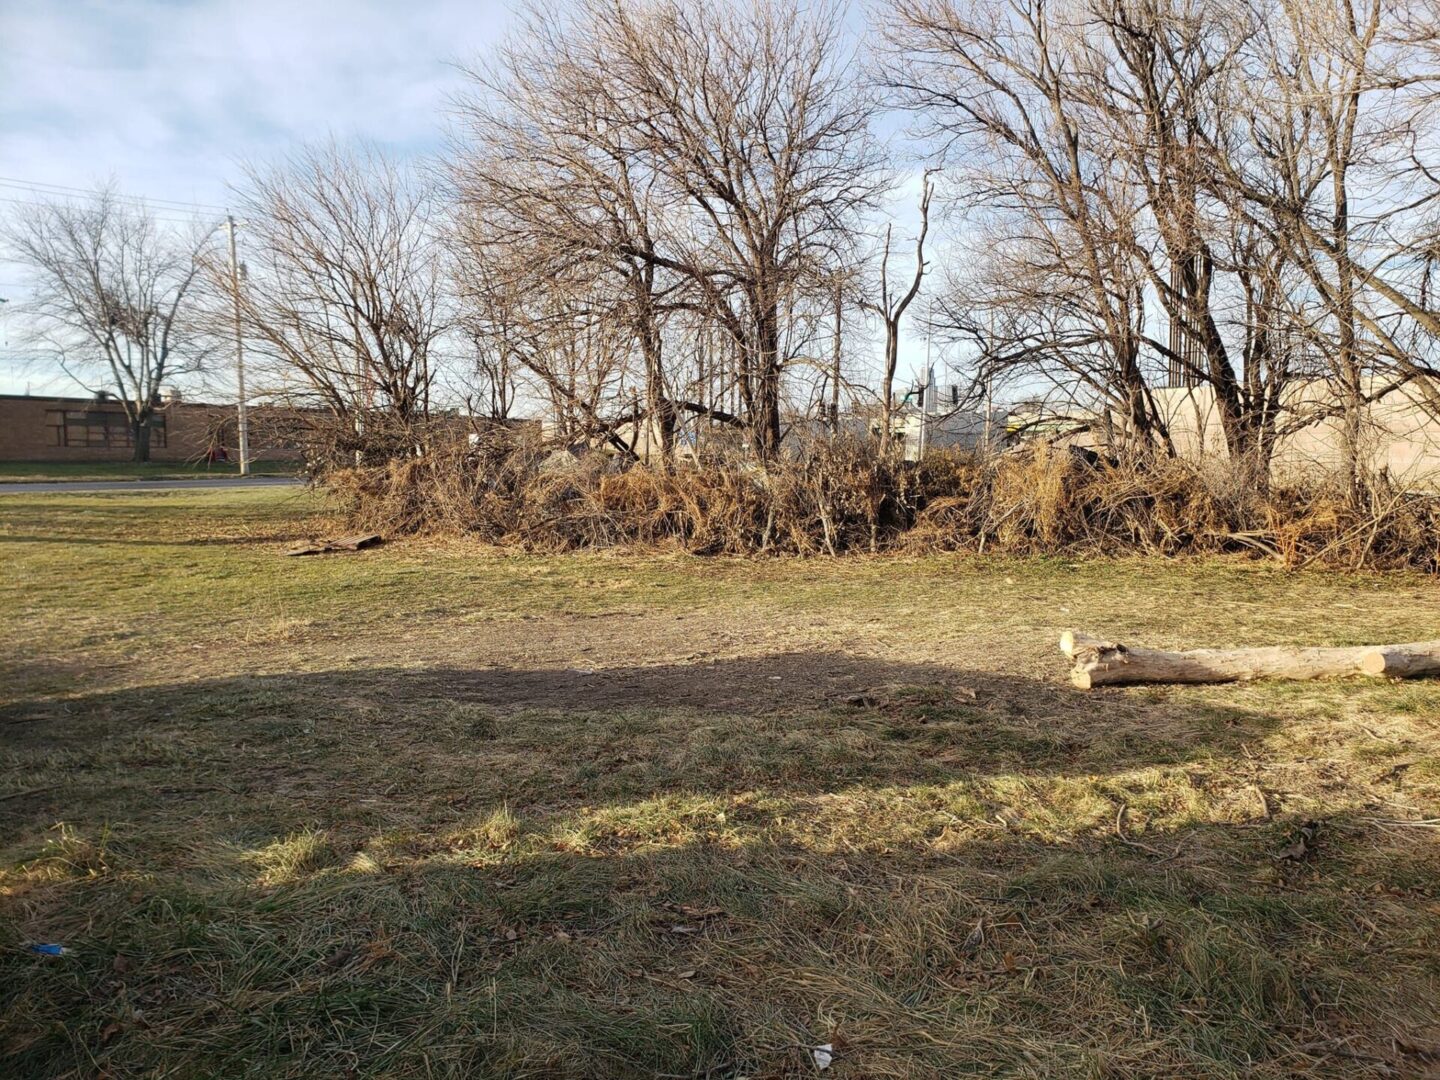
659	409
765	420
140	436
1101	663
765	424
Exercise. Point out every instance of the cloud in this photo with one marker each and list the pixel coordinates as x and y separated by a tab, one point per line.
168	97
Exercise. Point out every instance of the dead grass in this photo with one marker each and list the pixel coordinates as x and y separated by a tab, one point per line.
430	810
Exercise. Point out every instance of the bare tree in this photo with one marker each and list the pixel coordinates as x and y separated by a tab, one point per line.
114	296
1344	177
891	305
495	374
576	358
491	317
345	286
551	187
755	116
1204	158
709	160
1165	86
1055	285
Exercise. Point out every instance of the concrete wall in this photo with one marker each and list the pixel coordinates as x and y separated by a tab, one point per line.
960	429
1398	434
50	428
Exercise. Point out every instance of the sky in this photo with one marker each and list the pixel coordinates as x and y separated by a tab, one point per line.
168	99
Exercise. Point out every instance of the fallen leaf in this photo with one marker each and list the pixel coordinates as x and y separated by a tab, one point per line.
976	938
688	974
1301	846
823	1056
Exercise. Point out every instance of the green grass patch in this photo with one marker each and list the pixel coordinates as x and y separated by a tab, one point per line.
12	472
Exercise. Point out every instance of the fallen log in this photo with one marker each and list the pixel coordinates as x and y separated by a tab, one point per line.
1106	663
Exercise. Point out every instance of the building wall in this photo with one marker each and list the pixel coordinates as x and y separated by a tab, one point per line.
28	431
962	429
1398	434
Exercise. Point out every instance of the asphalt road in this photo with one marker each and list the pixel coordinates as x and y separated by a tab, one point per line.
147	485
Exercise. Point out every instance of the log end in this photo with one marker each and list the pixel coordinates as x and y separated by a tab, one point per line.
1373	662
1067	643
1080	678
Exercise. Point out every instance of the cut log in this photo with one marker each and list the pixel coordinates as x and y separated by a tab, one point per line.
1100	663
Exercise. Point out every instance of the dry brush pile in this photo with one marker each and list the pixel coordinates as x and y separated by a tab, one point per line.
840	496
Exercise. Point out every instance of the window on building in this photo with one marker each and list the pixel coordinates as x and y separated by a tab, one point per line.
97	428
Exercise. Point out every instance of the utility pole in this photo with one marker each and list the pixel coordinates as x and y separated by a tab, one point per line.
243	418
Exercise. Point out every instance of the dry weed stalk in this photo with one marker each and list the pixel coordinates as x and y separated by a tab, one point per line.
838	496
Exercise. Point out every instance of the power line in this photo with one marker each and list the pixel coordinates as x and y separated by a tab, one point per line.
67	189
37	202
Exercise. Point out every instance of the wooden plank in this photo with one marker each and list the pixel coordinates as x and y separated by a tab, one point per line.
357	542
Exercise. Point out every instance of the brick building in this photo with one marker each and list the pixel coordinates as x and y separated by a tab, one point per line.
95	429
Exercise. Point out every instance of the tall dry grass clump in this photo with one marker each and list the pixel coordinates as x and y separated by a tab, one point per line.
838	496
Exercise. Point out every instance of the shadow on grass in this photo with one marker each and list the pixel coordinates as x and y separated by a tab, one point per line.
697	870
798	723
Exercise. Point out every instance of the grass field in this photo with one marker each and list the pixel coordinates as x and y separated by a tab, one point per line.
19	472
431	810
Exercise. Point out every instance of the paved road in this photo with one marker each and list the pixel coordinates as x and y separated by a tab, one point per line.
147	485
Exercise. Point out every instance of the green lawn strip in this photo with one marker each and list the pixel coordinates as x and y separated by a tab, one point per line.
20	472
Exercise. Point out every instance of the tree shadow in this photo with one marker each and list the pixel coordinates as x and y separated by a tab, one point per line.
798	723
